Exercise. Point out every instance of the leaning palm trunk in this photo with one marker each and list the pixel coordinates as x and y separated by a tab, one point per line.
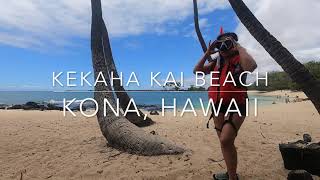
197	27
119	132
121	93
280	54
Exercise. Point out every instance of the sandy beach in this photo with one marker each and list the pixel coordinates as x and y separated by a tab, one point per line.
284	93
46	145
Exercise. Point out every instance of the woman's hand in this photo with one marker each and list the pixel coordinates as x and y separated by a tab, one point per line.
211	48
201	66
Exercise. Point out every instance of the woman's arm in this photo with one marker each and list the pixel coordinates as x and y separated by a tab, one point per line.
202	67
246	60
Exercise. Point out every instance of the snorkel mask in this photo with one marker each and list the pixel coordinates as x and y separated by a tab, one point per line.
226	41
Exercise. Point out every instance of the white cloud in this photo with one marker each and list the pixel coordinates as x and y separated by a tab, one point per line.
204	26
293	22
35	23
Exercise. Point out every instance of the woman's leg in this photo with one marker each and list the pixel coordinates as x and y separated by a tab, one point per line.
218	121
227	138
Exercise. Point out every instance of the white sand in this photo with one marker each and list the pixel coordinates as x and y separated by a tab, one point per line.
46	145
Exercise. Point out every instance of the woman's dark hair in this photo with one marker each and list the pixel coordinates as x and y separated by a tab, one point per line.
228	34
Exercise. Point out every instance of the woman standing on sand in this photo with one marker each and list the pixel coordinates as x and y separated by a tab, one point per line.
234	59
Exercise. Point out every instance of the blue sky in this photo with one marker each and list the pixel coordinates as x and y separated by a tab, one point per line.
41	37
31	69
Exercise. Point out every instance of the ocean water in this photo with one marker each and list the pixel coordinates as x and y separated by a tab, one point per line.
140	98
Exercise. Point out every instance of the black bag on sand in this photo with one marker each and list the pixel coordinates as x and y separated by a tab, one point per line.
301	155
299	175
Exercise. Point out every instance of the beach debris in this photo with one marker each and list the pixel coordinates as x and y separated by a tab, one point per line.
153	132
48	177
115	155
262	133
215	161
154	113
299	175
301	155
100	171
186	156
307	138
21	173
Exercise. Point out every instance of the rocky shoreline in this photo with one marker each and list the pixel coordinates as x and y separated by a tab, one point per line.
31	106
59	107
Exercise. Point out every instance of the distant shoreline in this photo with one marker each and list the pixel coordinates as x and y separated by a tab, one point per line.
9	98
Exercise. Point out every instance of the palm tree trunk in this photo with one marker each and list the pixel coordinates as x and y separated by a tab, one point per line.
197	28
119	132
297	71
120	92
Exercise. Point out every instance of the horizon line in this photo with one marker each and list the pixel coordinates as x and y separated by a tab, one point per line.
79	91
156	91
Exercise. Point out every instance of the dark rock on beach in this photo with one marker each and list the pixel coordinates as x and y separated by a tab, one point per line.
27	106
299	175
149	107
45	106
31	106
307	138
77	108
54	107
15	107
154	113
35	106
3	106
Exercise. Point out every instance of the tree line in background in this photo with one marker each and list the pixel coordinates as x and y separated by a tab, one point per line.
277	80
281	80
